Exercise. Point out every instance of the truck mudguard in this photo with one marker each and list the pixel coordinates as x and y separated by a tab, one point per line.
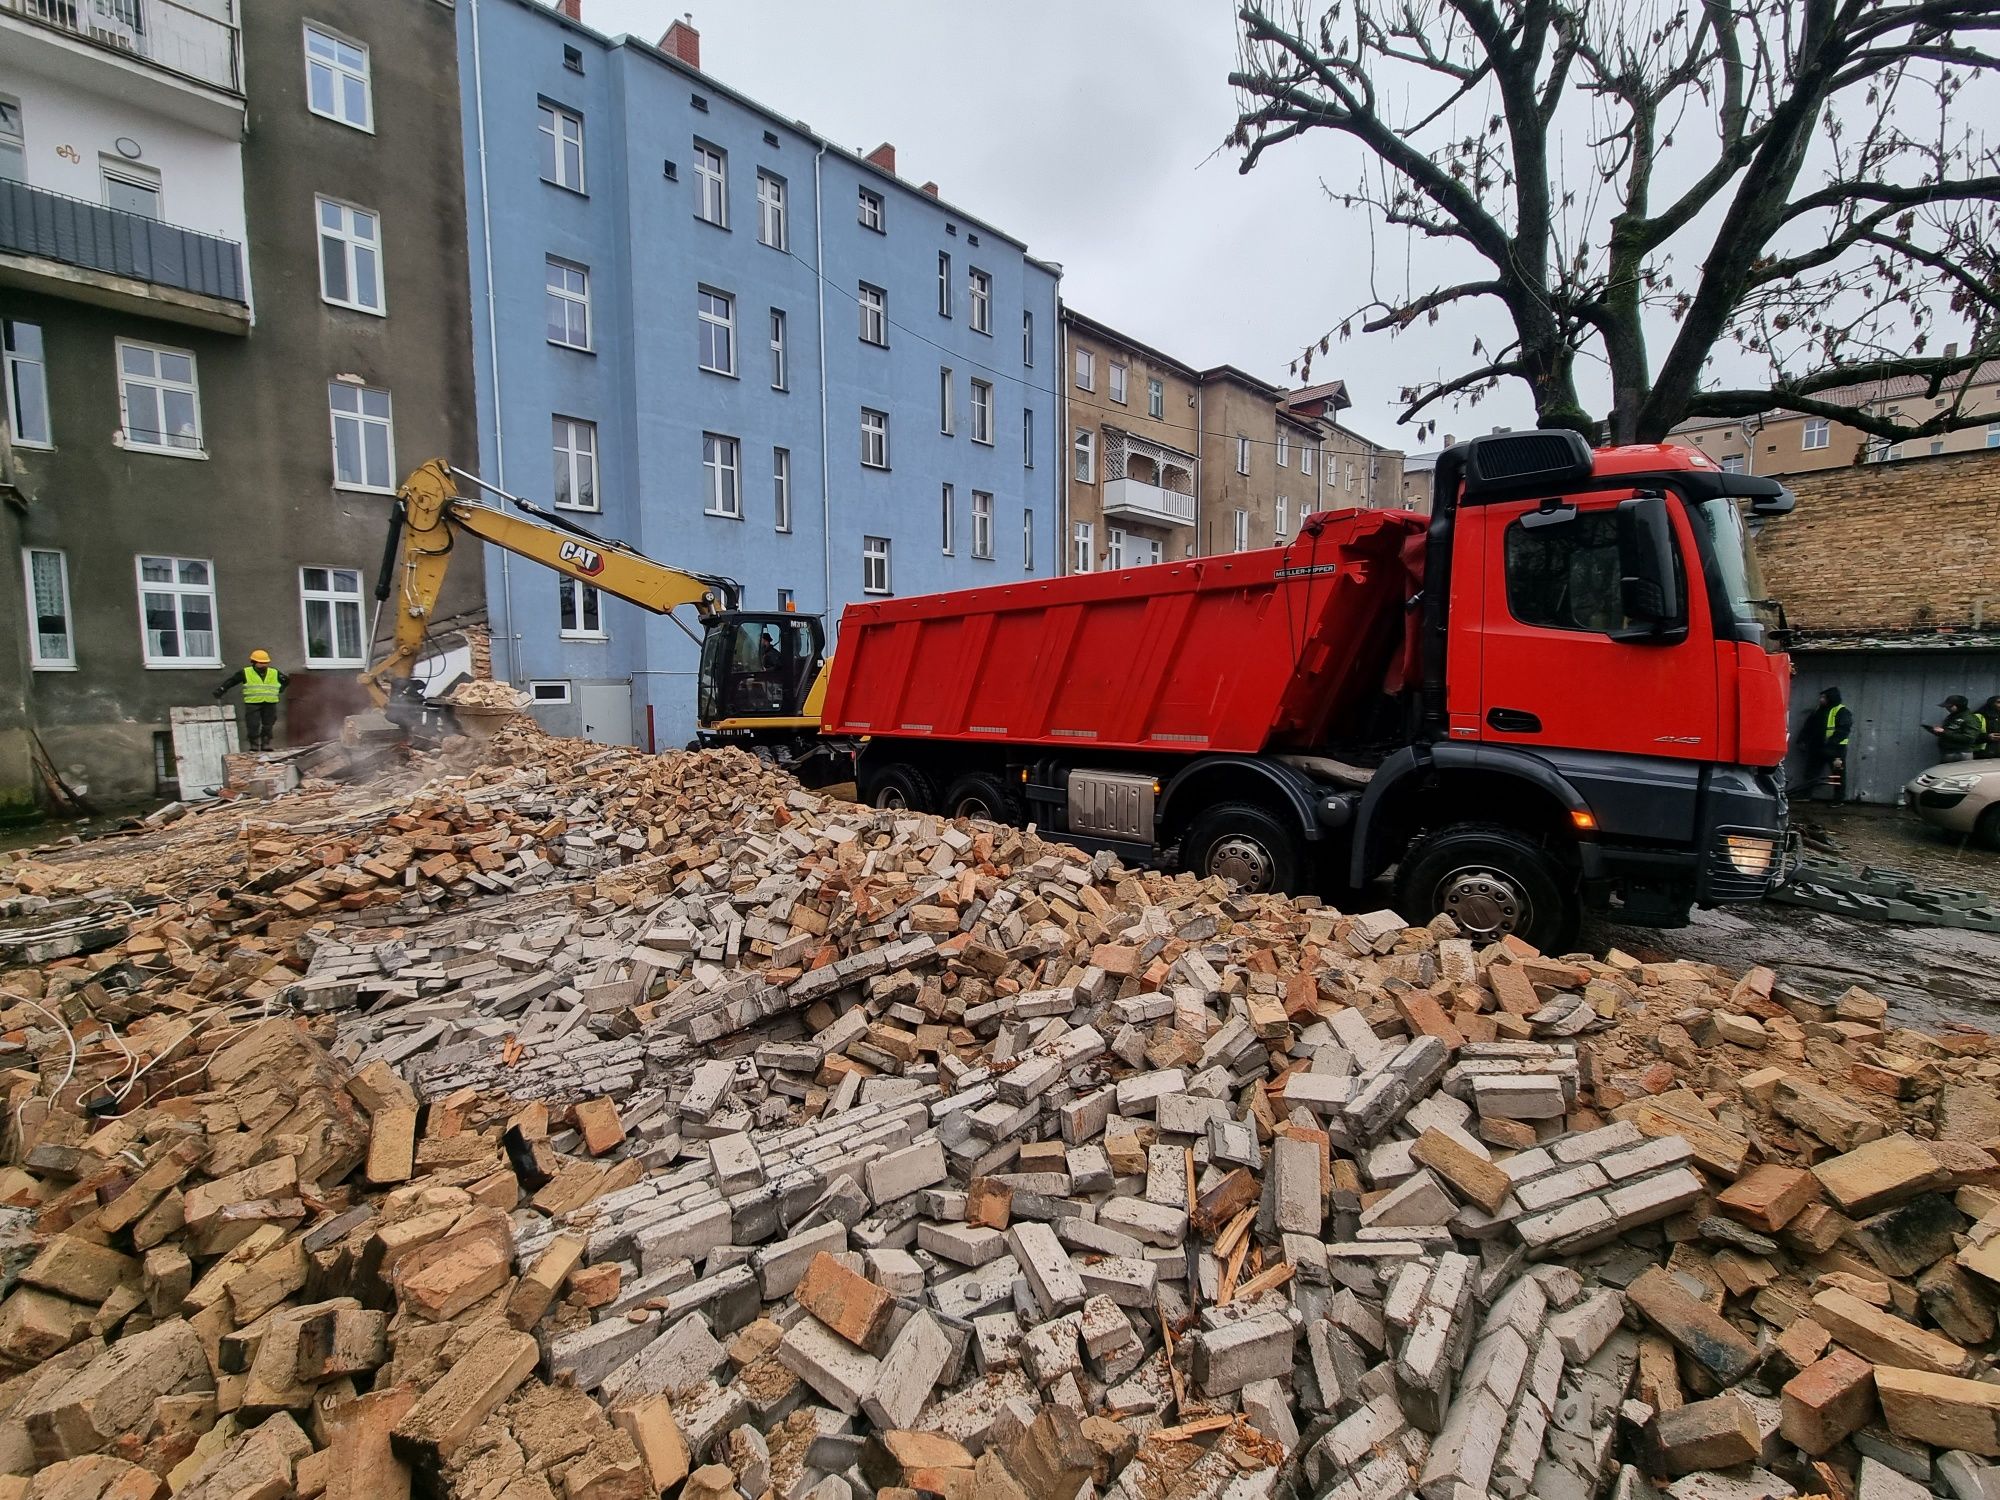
1224	773
1422	760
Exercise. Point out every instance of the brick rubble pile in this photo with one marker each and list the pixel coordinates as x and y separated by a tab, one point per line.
590	1125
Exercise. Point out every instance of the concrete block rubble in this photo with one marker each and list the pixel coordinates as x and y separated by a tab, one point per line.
576	1123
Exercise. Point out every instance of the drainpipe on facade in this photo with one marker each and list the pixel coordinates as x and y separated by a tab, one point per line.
825	468
1200	444
1065	563
492	335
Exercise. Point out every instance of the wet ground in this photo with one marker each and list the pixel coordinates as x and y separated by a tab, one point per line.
1929	975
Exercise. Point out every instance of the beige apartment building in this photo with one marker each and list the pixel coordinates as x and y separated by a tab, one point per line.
1783	442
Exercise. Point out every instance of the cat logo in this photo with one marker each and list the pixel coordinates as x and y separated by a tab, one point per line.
586	560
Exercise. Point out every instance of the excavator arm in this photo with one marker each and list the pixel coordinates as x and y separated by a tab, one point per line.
431	514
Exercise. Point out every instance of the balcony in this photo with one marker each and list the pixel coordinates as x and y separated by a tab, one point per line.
1135	500
193	39
66	247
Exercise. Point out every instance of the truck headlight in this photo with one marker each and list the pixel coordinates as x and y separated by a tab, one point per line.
1750	855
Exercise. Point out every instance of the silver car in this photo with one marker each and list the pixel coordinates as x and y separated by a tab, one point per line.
1961	797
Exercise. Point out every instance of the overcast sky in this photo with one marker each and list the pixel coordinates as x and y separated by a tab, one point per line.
1091	129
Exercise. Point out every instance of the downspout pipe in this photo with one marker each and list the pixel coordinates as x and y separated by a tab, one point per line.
492	332
825	461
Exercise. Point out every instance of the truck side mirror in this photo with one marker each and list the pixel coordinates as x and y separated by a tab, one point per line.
1649	583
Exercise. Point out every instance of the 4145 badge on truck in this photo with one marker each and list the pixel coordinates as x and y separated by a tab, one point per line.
584	559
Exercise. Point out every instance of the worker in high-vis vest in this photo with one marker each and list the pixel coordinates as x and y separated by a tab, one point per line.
262	685
1828	729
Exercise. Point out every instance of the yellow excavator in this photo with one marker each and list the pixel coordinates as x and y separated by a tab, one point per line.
763	676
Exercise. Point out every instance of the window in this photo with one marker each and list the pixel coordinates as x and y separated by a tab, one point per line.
1242	455
549	692
1028	338
1118	373
1086	457
1240	531
568	304
1284	448
944	285
1993	434
1350	473
771	228
1566	577
575	444
1306	460
337	79
1027	437
1114	551
1027	541
1086	370
331	601
721	475
947	504
13	142
871	218
51	641
177	612
157	398
874	565
573	59
787	600
1937	446
562	147
781	489
982	412
27	384
364	442
874	315
711	185
1156	400
947	419
874	439
780	376
982	524
980	286
131	188
580	611
1819	434
350	256
1732	463
1283	520
1082	547
717	331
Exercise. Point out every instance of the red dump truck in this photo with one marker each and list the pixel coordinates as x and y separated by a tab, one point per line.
1560	690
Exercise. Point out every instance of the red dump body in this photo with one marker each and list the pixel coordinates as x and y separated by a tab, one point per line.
1244	652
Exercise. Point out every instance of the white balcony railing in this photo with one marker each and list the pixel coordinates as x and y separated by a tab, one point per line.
196	39
1147	502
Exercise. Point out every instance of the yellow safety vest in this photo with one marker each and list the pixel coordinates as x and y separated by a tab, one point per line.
1833	719
260	687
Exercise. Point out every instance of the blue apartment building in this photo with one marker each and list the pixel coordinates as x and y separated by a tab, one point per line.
702	329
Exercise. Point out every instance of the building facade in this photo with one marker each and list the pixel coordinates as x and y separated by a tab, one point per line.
232	286
747	351
1261	465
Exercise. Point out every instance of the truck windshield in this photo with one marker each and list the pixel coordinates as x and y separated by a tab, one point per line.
1742	579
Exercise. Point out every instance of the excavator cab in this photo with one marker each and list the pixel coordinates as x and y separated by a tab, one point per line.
758	670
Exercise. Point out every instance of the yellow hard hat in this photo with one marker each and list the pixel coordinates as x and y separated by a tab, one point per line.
262	658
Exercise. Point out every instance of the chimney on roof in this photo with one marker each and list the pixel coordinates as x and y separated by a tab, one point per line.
931	188
571	8
683	41
883	156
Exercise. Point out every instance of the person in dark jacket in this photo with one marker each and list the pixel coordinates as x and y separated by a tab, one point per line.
1990	712
1962	731
1825	734
262	684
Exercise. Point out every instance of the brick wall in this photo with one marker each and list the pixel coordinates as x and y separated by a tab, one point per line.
1890	547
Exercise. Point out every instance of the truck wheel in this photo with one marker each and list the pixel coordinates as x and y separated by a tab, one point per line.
902	787
981	794
1243	843
1492	881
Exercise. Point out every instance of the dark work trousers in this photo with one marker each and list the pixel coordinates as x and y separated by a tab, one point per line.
263	719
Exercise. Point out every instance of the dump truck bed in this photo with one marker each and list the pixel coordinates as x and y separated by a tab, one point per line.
1245	652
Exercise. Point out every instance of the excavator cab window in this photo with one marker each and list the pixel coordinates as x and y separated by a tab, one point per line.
758	666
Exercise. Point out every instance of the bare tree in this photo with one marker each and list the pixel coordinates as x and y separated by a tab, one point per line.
1792	182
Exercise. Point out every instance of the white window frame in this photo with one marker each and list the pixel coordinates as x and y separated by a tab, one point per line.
353	246
711	184
947	519
1084	450
1818	433
944	284
979	289
576	461
874	438
871	212
552	264
947	405
1086	370
982	412
116	169
13	141
338	71
1083	547
1028	337
873	302
725	320
1027	539
1156	400
1027	437
538	692
982	525
334	599
781	489
38	659
1306	460
773	217
787	600
1284	449
18	370
585	592
363	421
179	591
722	476
1993	434
781	368
1119	378
159	384
875	564
1114	547
1733	463
552	120
1242	454
1240	531
1283	519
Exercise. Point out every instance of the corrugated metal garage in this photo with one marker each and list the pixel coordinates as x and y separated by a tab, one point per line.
1894	688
